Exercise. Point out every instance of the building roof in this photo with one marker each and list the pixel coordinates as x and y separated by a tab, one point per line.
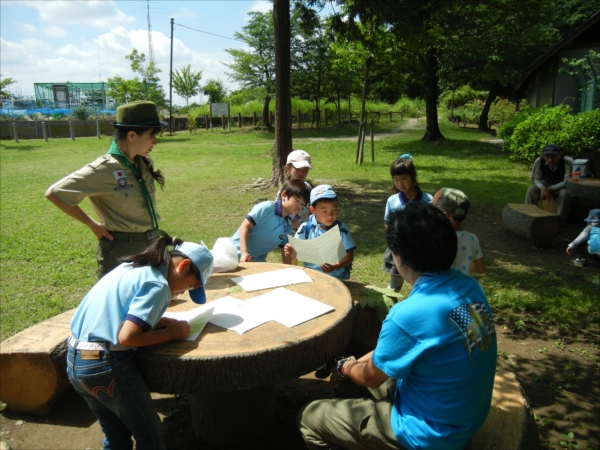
557	48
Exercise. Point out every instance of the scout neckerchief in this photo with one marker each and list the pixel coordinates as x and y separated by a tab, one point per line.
114	150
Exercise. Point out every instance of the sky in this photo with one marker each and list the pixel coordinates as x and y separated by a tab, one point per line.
87	40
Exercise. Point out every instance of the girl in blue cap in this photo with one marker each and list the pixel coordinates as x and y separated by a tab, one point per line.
588	241
124	311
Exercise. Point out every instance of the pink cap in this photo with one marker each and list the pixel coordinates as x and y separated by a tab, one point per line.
299	159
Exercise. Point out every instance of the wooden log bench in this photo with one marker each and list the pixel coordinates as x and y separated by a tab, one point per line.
531	222
33	366
587	190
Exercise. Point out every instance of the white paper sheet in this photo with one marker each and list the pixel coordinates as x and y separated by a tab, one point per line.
233	314
287	307
327	248
275	278
197	318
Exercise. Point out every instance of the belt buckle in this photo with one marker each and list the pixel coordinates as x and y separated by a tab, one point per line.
151	234
89	354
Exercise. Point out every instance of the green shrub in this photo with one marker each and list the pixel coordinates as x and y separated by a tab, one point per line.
462	96
533	128
81	112
191	123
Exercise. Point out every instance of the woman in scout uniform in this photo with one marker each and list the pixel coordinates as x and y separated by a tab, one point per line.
121	188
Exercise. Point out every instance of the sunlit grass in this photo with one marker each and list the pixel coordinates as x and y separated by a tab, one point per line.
47	259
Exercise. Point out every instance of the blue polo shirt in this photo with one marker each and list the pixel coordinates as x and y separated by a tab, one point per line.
270	230
315	230
440	344
138	294
398	201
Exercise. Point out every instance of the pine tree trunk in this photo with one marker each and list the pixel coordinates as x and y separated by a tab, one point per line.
283	102
483	118
265	112
432	129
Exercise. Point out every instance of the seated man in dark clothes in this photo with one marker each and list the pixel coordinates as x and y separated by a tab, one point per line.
549	177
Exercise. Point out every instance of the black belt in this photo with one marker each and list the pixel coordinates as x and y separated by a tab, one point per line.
135	237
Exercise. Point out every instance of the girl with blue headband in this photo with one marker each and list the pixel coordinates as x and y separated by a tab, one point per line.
404	190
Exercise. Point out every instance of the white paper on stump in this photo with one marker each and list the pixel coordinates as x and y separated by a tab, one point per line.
197	318
275	278
287	307
233	314
327	248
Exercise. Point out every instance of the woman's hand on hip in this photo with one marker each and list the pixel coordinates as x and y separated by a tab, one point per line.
101	232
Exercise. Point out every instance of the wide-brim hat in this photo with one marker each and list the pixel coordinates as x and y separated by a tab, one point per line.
202	258
593	216
138	114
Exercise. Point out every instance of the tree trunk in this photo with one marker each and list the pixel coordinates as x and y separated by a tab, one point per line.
339	108
432	130
359	157
283	102
265	112
483	118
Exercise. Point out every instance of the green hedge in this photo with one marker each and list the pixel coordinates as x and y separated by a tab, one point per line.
532	128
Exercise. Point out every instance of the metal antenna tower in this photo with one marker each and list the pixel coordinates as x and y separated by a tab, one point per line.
150	46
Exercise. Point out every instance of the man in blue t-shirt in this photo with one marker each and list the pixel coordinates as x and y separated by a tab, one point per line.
431	375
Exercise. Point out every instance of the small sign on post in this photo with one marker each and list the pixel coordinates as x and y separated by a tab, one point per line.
219	109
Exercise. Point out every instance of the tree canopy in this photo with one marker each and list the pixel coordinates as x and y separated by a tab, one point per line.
187	83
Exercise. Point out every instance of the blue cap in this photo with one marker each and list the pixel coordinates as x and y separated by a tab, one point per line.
321	191
202	258
593	216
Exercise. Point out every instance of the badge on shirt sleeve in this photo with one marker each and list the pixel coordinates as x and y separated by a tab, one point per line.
119	174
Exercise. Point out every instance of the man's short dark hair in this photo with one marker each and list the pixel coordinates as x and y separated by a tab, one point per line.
423	237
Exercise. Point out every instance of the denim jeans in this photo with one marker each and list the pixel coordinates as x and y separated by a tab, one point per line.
116	393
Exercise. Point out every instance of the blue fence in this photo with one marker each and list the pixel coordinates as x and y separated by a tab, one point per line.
10	113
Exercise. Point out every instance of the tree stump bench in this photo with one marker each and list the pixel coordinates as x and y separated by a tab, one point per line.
586	189
531	222
510	423
33	366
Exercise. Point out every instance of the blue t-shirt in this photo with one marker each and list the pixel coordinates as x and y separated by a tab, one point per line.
398	201
440	344
594	240
270	230
315	230
138	294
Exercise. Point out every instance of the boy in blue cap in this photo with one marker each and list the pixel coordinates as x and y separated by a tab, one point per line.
588	241
324	213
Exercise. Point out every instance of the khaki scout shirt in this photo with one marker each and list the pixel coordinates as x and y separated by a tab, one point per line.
114	192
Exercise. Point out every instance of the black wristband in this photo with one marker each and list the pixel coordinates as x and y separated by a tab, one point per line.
340	366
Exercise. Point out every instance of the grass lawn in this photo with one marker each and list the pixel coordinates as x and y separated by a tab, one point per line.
47	259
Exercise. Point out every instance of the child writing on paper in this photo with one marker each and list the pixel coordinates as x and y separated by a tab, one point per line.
267	225
120	313
324	209
455	205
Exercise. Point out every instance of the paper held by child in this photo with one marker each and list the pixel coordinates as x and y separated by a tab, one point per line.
274	278
326	249
197	318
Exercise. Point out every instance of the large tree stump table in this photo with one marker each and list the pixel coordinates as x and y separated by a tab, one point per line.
586	189
531	222
230	378
33	366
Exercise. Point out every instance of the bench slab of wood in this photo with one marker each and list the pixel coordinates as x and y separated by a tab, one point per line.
587	189
33	366
510	423
531	222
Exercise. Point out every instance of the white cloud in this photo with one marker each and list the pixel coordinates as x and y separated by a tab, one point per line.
69	51
54	31
94	13
261	6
